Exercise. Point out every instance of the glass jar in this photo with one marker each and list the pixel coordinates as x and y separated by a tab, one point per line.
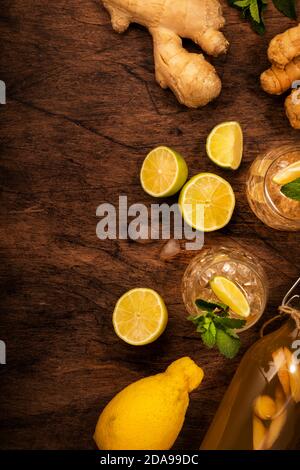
236	265
264	195
261	408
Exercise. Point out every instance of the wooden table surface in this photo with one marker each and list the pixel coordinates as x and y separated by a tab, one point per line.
83	109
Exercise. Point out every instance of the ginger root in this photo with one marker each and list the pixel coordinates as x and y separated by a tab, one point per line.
276	81
192	79
284	54
292	109
285	47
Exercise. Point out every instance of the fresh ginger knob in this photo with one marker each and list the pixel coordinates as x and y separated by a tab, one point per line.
190	76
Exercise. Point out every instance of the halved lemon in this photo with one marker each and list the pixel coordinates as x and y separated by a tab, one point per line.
288	174
207	202
230	294
140	316
224	145
163	172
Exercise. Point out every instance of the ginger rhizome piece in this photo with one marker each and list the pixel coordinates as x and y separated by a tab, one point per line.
284	54
285	47
276	81
190	76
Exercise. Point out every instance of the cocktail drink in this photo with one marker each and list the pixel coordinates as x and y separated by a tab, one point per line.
235	266
268	175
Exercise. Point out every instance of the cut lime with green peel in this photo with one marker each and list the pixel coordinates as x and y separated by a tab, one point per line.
230	294
164	172
140	316
207	202
224	145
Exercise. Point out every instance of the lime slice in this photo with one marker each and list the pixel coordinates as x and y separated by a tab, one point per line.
140	316
224	145
288	174
230	294
163	172
207	202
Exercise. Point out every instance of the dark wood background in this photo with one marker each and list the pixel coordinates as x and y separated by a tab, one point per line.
83	110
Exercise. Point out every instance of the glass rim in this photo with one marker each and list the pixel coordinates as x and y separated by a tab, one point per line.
278	153
248	259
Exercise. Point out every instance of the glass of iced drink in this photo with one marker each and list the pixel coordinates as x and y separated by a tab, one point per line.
268	176
234	265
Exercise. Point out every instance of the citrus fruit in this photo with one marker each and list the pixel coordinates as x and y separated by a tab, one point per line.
288	174
207	202
140	316
224	145
163	172
230	294
149	413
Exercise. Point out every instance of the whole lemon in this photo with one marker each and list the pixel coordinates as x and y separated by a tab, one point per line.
149	413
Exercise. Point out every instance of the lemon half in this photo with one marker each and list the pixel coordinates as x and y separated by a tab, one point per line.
224	145
163	172
207	202
140	316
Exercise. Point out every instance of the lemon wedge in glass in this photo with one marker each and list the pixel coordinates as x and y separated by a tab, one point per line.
164	172
230	294
140	316
224	145
288	174
207	202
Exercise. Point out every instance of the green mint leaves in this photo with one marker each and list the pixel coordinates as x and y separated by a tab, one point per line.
287	7
253	11
292	189
216	328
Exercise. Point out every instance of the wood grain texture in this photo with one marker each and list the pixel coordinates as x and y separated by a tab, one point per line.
83	110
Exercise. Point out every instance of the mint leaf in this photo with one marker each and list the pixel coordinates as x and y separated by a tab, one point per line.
287	7
292	190
231	333
227	345
209	338
216	327
254	11
210	306
242	3
230	322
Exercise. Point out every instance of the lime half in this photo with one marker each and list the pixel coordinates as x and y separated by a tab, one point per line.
230	294
207	202
288	174
164	172
140	316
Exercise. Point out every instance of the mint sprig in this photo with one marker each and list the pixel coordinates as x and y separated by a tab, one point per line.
216	328
292	189
253	11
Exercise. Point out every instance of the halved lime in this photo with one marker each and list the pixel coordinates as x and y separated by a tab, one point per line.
207	202
164	172
230	294
288	174
140	316
224	145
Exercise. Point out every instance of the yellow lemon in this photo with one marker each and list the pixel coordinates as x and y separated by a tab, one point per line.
149	413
